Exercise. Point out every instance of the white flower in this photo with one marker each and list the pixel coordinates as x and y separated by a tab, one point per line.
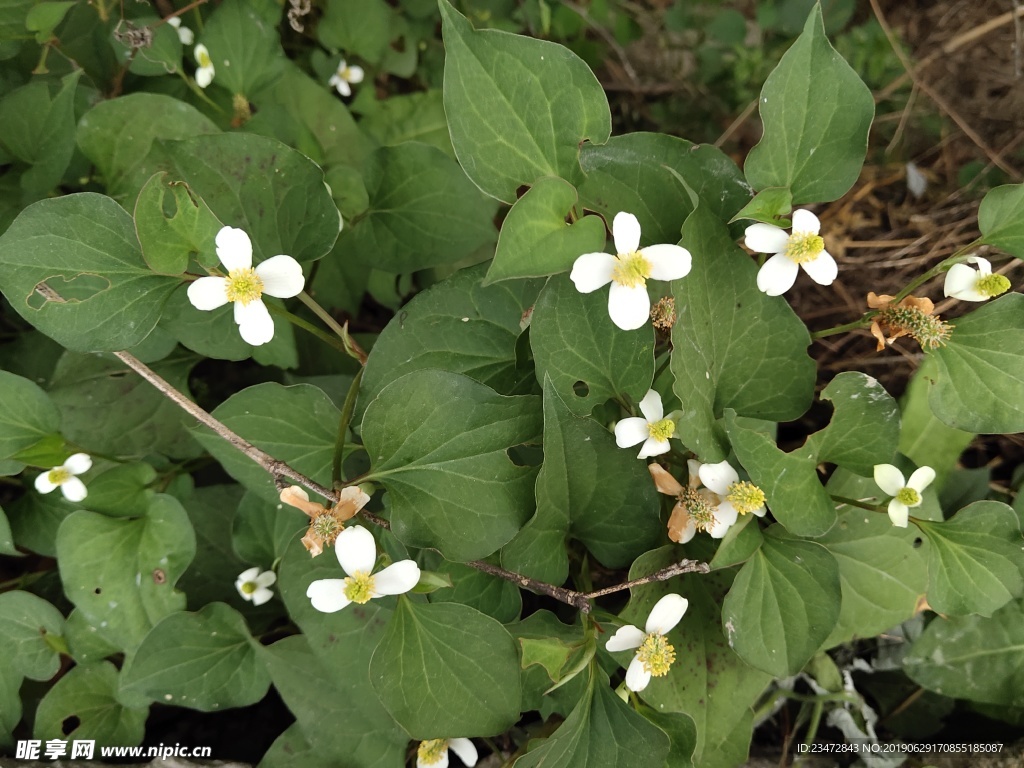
654	656
979	284
255	586
184	34
906	494
345	77
434	753
653	429
628	303
64	477
279	276
804	248
357	553
205	71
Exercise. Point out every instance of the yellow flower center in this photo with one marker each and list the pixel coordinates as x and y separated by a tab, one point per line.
908	496
204	59
656	654
249	587
702	512
803	247
431	752
745	497
993	285
631	270
58	476
244	285
662	430
359	587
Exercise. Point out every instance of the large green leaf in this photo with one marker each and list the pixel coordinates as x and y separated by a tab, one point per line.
816	113
437	442
518	108
881	574
276	194
446	670
590	487
244	48
294	424
708	681
974	560
362	29
172	224
729	339
261	530
121	573
979	382
120	137
588	358
783	604
27	623
205	661
535	240
26	414
124	490
87	697
971	657
211	574
1001	218
423	211
417	116
83	248
601	732
641	172
456	325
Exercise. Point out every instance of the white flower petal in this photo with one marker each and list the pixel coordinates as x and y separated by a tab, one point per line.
899	513
78	463
342	87
765	238
666	613
653	447
718	477
328	595
356	550
266	579
628	307
466	751
889	479
234	248
651	406
204	76
805	221
355	74
921	479
208	293
591	271
630	431
249	574
760	511
777	275
261	595
397	579
73	489
625	639
281	276
185	35
637	677
822	270
201	53
254	322
44	484
961	283
668	262
725	517
625	232
984	265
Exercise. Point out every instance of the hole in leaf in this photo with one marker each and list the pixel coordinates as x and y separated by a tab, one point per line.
525	455
918	542
581	389
70	724
59	289
97	591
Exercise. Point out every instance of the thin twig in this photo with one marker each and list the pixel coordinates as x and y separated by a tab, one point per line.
676	569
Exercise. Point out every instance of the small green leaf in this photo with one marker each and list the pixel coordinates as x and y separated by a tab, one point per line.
88	695
25	623
121	573
729	336
783	604
168	240
518	108
245	49
972	657
769	206
6	537
980	371
361	29
540	627
445	670
535	240
26	414
816	113
549	652
1001	218
423	211
451	485
205	661
44	18
974	561
588	359
83	248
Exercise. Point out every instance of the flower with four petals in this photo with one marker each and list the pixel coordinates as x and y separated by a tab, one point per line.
346	76
906	494
653	430
65	477
804	248
654	654
254	586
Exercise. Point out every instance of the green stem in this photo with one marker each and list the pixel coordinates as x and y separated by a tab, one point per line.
663	366
812	727
307	326
350	347
855	503
199	91
337	474
863	322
